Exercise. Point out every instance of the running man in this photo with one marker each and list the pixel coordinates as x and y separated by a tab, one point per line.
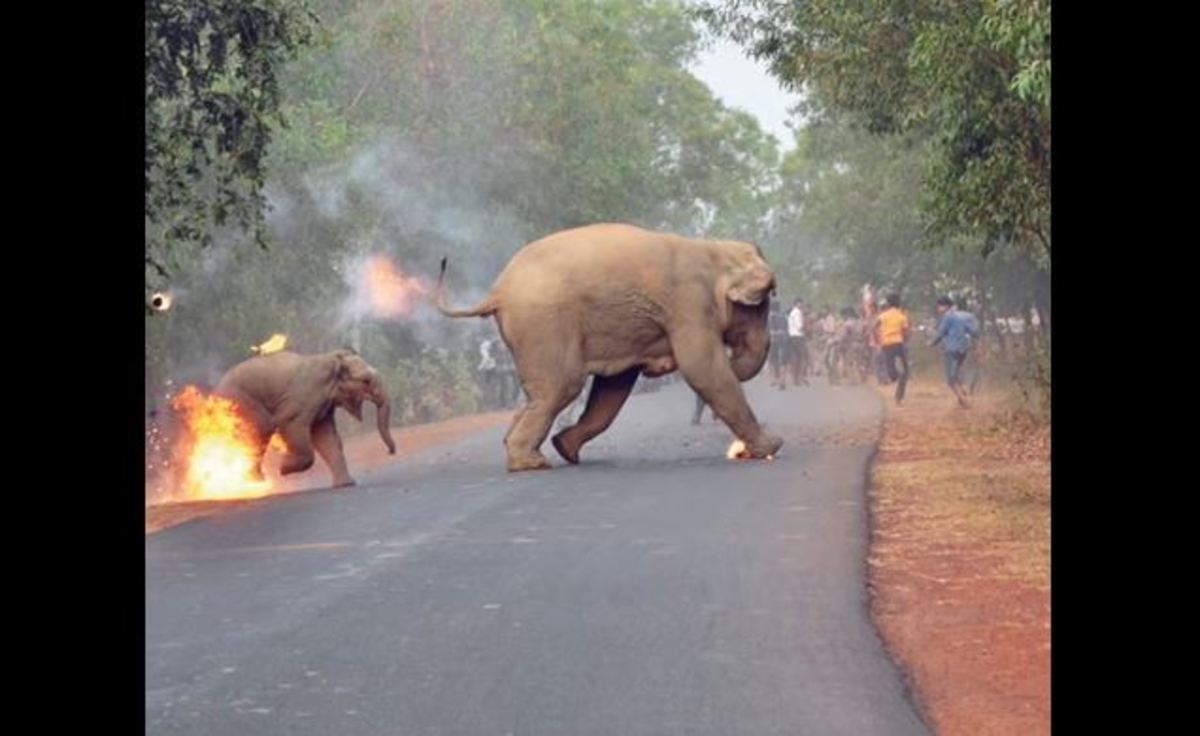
955	331
892	329
878	364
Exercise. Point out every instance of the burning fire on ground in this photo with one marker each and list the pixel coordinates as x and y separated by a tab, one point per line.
216	452
210	454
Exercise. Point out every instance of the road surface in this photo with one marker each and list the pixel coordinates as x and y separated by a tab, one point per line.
657	588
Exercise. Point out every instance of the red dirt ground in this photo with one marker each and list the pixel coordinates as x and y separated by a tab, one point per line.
959	564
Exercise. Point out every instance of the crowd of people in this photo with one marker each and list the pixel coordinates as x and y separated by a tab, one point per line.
807	342
852	344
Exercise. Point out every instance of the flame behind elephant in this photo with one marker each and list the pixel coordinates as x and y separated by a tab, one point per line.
384	291
216	450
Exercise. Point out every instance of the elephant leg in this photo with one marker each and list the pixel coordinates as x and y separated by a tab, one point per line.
260	451
264	428
606	398
548	394
705	366
515	421
329	446
297	434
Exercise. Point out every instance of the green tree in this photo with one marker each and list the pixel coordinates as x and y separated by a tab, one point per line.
972	78
212	95
847	213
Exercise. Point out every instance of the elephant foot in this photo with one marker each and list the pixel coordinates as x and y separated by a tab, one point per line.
536	461
569	450
766	445
295	464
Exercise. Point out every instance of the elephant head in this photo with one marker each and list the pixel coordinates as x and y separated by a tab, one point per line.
745	290
354	381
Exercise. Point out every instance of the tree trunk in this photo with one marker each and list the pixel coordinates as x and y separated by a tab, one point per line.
986	310
1027	317
1044	323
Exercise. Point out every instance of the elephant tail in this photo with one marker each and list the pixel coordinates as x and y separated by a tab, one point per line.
485	308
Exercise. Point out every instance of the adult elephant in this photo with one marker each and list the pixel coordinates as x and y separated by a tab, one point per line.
615	301
296	395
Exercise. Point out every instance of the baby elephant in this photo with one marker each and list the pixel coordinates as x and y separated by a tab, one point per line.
295	395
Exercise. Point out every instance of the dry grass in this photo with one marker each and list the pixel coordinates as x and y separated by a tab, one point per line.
959	561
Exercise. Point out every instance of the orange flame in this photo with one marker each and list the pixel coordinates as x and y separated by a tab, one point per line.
218	449
391	292
274	345
737	451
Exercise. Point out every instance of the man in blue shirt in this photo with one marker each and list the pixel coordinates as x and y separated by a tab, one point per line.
955	332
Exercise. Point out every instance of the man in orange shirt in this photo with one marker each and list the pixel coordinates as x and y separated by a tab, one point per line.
872	337
892	329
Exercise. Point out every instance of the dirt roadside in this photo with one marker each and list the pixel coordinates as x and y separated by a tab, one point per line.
363	451
959	562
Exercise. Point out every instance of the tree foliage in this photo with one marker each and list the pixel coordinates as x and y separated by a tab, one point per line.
212	97
972	78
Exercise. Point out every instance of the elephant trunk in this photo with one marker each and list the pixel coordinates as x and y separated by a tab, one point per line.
750	353
383	415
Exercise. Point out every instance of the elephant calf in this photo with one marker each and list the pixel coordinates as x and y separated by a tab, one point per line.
616	301
296	395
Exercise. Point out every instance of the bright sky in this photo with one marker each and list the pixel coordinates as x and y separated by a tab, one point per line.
741	82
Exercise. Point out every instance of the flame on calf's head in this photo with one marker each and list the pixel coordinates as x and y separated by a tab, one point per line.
274	345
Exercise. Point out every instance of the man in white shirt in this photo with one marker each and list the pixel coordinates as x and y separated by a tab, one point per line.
487	375
797	349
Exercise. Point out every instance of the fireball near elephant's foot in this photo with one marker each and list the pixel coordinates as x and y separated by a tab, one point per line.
218	449
738	451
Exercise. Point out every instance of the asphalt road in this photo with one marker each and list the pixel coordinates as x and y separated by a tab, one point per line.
657	588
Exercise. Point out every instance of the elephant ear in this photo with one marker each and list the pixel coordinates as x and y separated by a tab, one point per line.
751	283
346	393
343	363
